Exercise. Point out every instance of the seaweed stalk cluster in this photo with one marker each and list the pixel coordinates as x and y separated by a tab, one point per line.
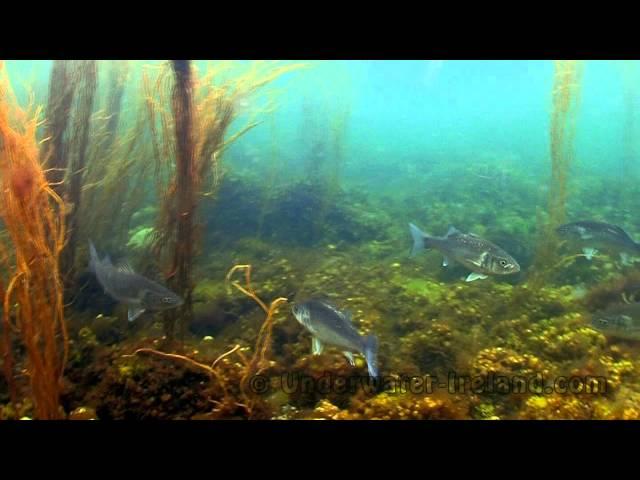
33	217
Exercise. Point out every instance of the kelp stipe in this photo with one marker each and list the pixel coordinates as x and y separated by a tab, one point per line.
188	159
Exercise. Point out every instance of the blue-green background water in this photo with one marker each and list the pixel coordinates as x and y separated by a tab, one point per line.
433	111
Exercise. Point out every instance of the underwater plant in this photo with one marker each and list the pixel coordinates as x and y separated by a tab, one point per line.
188	141
259	361
62	86
72	89
77	158
565	98
114	186
250	367
33	217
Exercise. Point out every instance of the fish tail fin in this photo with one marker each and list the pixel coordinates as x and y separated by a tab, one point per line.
420	240
371	354
93	256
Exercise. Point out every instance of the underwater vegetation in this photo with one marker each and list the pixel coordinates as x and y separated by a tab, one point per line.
286	289
33	217
565	99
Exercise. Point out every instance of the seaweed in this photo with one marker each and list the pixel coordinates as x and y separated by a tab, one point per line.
33	216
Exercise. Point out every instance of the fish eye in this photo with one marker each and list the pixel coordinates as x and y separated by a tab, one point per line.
167	300
604	321
503	263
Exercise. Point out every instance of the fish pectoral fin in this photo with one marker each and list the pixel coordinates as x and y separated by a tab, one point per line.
475	276
134	312
316	346
445	262
349	356
589	253
480	260
626	259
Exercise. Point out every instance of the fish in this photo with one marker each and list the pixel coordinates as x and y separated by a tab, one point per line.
480	256
618	321
329	325
592	236
123	284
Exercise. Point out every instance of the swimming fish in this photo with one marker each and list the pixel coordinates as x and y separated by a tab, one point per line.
331	326
592	236
619	321
480	256
126	286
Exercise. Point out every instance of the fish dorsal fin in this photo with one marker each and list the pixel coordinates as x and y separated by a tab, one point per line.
473	235
125	268
452	231
616	230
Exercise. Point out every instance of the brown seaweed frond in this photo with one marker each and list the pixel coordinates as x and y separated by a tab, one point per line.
259	362
33	217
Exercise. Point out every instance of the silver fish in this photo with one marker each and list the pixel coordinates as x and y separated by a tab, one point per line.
480	256
591	236
126	286
328	325
620	321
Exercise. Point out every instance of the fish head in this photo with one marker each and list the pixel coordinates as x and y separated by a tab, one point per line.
568	229
574	230
503	264
160	299
611	321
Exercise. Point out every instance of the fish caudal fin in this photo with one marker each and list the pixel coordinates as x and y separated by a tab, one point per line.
419	239
371	354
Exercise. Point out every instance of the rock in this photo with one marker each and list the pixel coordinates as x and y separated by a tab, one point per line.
83	413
